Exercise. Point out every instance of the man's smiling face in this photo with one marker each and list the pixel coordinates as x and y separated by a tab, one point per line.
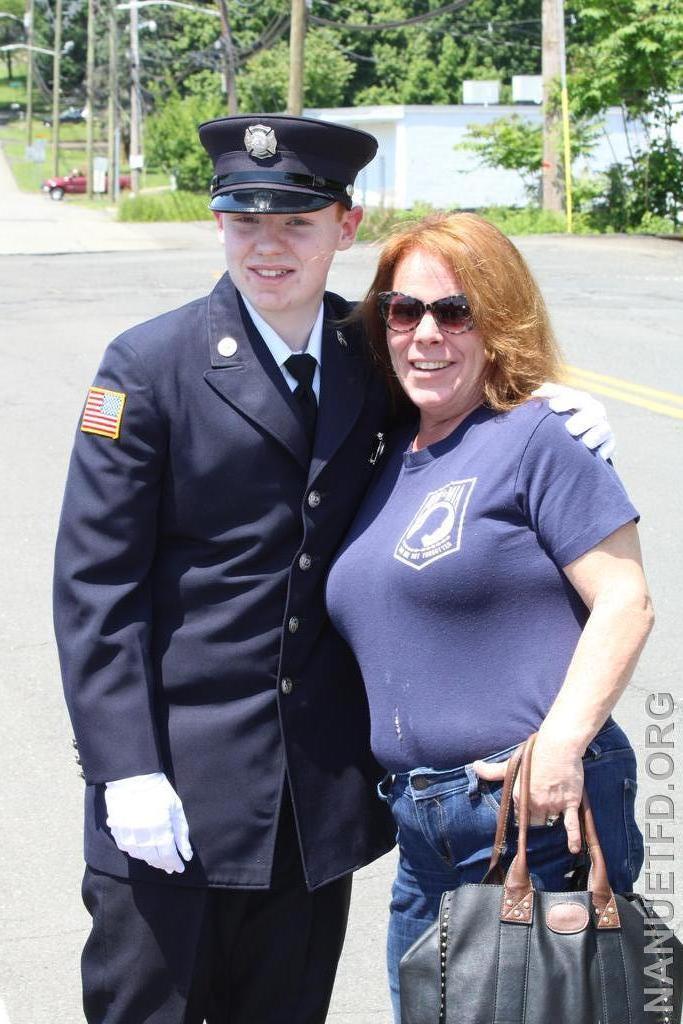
280	262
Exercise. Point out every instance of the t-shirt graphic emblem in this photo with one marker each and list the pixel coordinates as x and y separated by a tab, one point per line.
436	529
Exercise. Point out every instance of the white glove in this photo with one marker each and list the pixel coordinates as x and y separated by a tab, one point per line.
590	416
147	821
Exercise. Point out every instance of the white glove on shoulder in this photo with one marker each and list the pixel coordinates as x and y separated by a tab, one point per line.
146	819
589	421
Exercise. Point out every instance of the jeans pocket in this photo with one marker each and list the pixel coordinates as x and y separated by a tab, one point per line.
491	793
634	837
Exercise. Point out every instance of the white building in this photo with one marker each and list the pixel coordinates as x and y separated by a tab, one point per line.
417	159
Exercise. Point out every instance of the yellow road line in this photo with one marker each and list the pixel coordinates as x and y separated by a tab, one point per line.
624	391
627	385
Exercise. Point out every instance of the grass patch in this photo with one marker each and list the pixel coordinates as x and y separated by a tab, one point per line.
165	206
28	175
14	91
654	224
527	221
72	154
378	224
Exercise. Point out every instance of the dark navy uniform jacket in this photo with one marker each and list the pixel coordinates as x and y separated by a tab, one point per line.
189	610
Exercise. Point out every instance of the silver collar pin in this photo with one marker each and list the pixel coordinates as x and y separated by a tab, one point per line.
377	449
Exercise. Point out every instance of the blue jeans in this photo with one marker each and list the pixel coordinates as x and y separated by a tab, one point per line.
447	821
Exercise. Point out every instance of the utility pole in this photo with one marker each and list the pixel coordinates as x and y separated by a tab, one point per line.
112	106
230	70
297	39
135	154
28	25
56	86
90	97
566	140
553	25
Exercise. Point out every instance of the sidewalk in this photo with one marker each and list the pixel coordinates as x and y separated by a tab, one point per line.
33	224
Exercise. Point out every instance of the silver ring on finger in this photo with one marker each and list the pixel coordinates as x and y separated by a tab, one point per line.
550	819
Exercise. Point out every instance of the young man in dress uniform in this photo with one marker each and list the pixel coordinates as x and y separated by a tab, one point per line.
221	724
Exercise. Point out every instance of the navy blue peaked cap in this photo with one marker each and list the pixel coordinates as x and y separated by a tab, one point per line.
266	163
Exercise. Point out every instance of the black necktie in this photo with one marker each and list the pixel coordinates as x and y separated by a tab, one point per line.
302	368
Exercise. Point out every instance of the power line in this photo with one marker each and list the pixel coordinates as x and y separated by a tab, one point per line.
381	26
353	55
531	24
507	42
272	32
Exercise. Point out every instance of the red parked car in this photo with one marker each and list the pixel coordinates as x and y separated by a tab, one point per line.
75	182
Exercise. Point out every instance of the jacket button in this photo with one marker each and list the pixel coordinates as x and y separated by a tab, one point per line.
305	561
293	624
314	499
286	686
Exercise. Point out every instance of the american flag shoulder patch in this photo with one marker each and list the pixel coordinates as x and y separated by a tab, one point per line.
103	412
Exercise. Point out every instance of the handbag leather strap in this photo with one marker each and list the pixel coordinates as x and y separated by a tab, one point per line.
518	891
495	874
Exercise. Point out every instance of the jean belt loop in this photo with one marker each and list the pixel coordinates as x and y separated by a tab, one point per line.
473	781
594	749
384	786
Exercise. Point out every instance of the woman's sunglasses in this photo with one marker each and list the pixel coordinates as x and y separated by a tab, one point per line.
403	313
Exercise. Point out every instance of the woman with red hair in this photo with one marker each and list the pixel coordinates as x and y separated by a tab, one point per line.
491	585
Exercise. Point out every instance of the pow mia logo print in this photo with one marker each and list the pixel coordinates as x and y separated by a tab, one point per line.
436	530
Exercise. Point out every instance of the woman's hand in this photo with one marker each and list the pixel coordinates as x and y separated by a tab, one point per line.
556	784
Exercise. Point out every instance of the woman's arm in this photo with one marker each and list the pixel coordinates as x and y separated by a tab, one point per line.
610	580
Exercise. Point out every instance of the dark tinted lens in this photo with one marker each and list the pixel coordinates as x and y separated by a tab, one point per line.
453	311
402	313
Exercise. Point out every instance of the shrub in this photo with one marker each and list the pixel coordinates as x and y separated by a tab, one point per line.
655	224
172	142
528	220
165	206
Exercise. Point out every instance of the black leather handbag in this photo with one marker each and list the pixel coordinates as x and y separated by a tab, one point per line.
504	953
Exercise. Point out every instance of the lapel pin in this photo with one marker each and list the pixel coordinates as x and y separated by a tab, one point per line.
377	449
227	347
342	340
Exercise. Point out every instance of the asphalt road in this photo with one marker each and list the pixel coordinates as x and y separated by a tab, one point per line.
618	308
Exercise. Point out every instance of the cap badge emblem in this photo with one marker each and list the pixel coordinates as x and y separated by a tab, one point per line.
260	141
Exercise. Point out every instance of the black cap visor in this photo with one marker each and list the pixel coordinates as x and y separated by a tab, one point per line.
269	200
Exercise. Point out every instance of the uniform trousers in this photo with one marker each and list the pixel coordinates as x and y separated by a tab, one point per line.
173	954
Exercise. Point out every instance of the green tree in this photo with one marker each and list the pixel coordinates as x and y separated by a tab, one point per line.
427	63
511	143
515	144
629	53
11	30
173	145
262	82
625	53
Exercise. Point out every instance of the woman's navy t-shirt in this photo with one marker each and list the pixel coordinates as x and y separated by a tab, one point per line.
449	587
